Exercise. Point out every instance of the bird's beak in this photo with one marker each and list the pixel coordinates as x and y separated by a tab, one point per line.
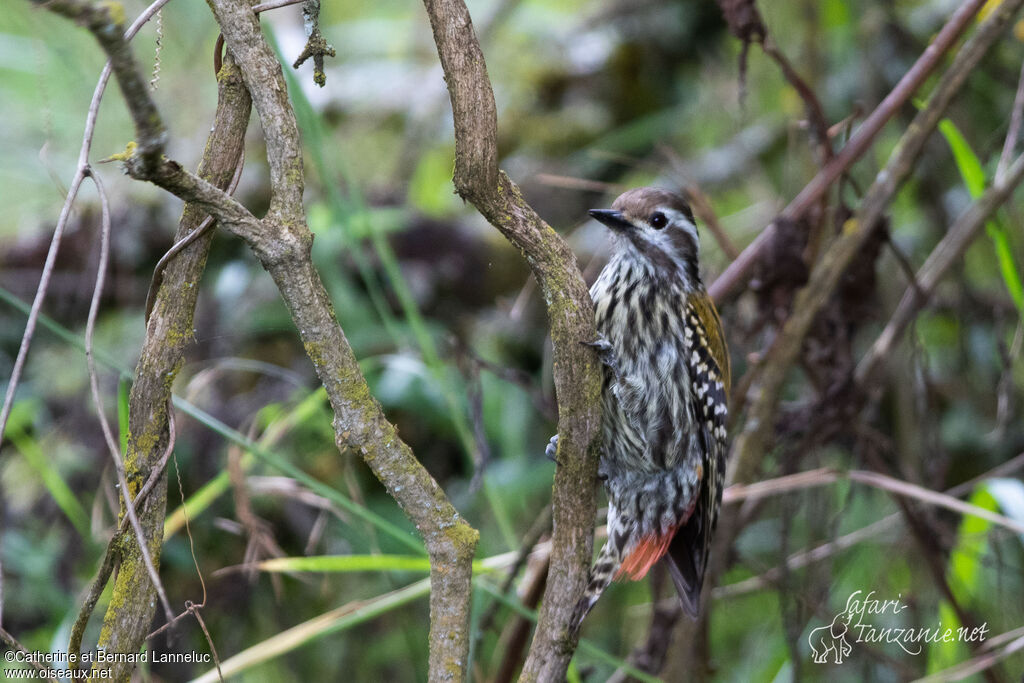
613	219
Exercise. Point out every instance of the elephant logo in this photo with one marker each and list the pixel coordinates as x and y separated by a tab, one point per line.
831	639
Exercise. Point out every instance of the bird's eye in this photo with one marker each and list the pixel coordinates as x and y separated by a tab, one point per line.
658	220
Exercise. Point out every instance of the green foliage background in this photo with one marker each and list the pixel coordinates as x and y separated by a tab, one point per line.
593	97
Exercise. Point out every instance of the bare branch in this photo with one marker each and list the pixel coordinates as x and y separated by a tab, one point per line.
80	172
265	81
751	444
283	247
177	247
570	313
108	434
104	21
945	254
13	643
1013	131
827	475
982	662
733	277
806	557
169	332
212	200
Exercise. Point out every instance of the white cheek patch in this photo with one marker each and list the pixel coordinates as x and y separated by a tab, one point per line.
682	221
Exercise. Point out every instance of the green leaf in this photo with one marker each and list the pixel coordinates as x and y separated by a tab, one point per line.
1007	266
965	580
307	632
360	563
123	391
966	160
18	433
974	178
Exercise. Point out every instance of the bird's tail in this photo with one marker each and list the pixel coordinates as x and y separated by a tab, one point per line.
601	575
624	555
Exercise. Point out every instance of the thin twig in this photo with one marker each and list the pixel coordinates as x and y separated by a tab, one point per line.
37	303
541	526
981	662
194	609
81	169
13	643
805	558
701	206
815	113
1013	132
104	22
208	222
825	550
161	467
752	443
108	434
99	582
276	4
945	254
826	475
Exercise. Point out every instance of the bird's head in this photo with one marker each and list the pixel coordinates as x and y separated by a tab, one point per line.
656	228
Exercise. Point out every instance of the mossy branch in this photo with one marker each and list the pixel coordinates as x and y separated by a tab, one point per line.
478	179
282	242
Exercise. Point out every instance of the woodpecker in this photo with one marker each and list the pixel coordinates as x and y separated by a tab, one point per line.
665	398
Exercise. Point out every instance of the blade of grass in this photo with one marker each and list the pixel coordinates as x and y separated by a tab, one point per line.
973	174
64	334
227	432
294	472
341	564
585	647
56	486
213	489
359	611
965	571
344	617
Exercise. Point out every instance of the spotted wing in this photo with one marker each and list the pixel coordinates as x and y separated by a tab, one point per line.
708	364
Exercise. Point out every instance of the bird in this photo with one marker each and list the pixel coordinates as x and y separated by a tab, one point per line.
666	376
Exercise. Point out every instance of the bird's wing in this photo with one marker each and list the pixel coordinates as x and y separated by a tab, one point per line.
708	359
714	336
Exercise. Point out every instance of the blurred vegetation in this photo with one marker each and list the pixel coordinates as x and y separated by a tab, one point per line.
450	331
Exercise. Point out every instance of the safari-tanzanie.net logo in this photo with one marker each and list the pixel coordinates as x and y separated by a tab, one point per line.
867	619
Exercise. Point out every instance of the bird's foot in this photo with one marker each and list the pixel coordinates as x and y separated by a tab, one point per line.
551	451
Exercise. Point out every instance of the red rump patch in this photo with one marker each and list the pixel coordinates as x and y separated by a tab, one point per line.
648	550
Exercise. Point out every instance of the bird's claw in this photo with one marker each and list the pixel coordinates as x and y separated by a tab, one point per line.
605	352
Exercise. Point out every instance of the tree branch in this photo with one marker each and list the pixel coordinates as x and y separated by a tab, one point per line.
283	247
733	277
168	334
106	22
265	81
948	250
751	444
570	313
282	242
